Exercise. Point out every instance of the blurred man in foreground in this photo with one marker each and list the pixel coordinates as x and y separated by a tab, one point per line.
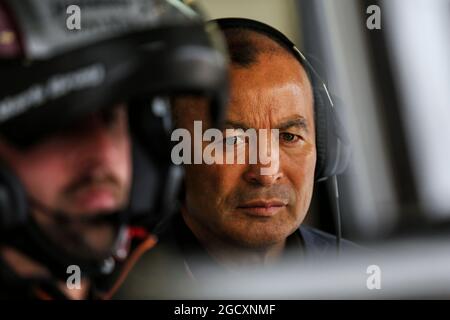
74	104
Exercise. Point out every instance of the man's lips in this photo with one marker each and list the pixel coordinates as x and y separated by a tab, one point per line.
262	208
96	198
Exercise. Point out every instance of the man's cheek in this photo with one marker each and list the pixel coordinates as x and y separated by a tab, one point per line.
45	183
121	165
127	170
226	176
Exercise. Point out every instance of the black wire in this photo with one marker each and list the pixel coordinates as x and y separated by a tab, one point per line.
337	213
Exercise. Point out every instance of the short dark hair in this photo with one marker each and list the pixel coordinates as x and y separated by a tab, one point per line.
245	45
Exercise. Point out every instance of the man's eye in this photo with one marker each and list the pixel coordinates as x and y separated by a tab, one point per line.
289	137
234	140
110	115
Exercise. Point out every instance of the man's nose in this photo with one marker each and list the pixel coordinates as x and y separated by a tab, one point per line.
254	176
267	170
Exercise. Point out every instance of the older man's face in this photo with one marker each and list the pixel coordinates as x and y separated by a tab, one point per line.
235	202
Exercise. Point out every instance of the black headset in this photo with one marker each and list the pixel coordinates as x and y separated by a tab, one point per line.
332	143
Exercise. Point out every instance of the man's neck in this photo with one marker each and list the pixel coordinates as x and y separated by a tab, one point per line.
233	256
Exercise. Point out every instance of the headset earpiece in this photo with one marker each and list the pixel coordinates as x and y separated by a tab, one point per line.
13	204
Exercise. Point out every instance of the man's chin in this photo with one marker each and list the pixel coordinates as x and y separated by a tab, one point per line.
256	236
93	242
85	241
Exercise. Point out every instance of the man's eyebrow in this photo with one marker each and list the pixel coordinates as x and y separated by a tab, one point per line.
229	124
299	122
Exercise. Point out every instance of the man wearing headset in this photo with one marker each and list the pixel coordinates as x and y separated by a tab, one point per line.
235	215
73	107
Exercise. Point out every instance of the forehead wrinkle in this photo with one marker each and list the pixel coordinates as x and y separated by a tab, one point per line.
259	93
263	106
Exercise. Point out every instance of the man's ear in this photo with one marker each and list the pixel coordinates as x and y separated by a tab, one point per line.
7	151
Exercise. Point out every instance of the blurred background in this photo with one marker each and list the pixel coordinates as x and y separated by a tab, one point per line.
391	80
